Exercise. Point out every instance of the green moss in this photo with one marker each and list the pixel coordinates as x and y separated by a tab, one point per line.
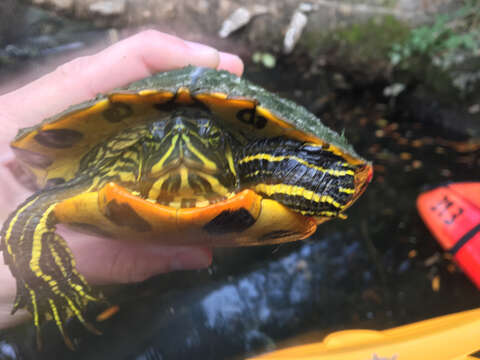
361	42
374	38
441	42
443	51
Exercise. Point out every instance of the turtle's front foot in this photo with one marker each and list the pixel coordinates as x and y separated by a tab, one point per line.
48	283
52	289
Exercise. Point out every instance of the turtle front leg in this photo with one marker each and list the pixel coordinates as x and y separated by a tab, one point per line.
48	284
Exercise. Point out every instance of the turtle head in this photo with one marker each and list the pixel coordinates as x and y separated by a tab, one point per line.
189	156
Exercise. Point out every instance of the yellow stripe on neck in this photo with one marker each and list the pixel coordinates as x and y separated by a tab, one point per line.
293	190
269	157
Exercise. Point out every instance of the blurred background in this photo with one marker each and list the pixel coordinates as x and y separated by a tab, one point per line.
401	78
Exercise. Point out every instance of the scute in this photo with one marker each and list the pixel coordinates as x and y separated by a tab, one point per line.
247	110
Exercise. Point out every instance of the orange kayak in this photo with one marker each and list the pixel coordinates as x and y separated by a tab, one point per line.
452	213
450	337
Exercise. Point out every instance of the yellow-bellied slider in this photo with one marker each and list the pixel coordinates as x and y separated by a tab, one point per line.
191	156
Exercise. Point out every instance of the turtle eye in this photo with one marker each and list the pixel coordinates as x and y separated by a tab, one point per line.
214	139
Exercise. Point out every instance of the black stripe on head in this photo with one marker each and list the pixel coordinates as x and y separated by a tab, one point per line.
129	169
172	184
199	185
125	161
197	144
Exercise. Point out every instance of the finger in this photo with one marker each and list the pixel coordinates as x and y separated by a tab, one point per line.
131	59
9	287
7	296
230	62
106	261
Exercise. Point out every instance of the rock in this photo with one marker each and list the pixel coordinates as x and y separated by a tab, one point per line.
235	21
294	31
58	4
108	8
10	26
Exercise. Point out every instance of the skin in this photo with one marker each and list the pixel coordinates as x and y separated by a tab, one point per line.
100	260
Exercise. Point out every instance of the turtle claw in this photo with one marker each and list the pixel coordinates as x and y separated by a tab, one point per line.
50	296
92	328
59	306
39	339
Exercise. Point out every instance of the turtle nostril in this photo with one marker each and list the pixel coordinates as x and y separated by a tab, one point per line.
179	129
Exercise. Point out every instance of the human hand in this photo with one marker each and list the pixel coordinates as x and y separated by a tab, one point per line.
100	260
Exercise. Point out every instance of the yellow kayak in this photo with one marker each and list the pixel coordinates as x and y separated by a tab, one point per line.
449	337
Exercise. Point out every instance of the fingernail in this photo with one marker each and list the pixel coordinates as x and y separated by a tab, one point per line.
230	62
192	259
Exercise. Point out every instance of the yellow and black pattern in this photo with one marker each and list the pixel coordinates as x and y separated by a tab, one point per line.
307	178
48	284
140	158
120	159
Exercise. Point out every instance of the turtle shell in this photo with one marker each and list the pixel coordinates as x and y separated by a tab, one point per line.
52	150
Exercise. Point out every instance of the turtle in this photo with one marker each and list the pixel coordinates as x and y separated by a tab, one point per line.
192	156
